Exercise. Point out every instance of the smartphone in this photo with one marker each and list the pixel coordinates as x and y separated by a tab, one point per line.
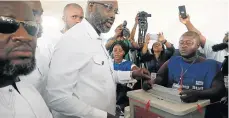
153	37
182	11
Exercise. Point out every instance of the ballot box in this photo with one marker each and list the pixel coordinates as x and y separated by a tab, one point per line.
162	102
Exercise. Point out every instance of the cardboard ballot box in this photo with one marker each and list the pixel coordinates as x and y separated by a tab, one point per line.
163	103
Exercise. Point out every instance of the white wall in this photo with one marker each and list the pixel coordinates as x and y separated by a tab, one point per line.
209	16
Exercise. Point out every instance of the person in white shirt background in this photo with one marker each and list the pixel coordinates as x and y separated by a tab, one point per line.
37	77
72	14
81	80
18	31
206	45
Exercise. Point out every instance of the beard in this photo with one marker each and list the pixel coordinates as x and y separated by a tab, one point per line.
11	70
189	56
69	26
98	22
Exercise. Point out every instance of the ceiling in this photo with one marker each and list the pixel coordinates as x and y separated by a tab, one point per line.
52	7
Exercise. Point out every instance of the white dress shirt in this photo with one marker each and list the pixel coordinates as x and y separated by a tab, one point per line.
38	75
27	104
81	80
210	54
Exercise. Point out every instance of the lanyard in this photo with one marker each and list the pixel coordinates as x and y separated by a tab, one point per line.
183	73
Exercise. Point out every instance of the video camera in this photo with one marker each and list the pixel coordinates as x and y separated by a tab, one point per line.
125	31
142	19
143	26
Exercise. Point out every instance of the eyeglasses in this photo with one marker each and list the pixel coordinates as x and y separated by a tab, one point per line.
188	43
9	25
109	7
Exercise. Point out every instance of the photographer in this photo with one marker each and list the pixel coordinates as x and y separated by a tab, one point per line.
159	54
206	45
129	41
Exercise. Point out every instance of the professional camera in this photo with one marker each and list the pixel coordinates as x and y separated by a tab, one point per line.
125	31
142	19
143	26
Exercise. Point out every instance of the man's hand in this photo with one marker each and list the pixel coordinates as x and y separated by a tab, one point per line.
147	85
189	96
141	73
147	38
118	31
186	20
161	37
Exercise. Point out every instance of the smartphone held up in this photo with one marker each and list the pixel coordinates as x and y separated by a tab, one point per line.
182	11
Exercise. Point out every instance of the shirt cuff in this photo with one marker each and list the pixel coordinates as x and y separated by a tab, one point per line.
97	113
124	77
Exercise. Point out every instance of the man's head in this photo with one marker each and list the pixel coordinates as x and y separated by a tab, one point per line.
101	14
73	14
18	31
37	11
189	44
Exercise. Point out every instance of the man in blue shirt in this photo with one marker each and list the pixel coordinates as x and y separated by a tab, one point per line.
191	74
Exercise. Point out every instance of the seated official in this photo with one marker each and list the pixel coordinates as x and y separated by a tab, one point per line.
159	54
191	74
119	50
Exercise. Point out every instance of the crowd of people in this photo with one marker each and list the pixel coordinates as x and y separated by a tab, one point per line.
71	80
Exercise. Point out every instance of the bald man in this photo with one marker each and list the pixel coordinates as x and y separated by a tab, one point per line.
73	14
18	31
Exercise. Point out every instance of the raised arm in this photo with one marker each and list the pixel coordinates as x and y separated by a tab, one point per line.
132	34
145	46
117	35
169	46
191	27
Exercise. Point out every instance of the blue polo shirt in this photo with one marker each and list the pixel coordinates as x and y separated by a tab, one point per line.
199	76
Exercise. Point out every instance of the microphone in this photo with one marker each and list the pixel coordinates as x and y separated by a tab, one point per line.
219	47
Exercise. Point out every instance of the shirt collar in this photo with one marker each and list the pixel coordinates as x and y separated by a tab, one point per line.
91	31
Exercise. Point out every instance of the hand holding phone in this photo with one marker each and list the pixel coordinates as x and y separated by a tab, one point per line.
153	37
182	11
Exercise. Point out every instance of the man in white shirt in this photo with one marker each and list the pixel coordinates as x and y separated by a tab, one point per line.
37	77
81	81
72	14
18	31
206	45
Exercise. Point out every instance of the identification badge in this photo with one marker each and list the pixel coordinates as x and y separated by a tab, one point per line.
199	83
